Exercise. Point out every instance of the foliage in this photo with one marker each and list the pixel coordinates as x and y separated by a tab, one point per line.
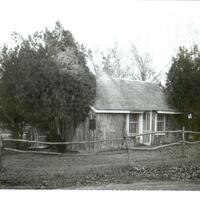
183	84
46	83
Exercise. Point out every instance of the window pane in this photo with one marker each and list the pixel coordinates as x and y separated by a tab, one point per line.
134	128
133	117
148	121
160	126
144	122
160	117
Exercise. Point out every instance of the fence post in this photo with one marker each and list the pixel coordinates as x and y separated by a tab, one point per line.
183	137
127	150
89	140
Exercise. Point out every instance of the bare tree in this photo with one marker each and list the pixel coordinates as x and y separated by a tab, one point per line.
130	63
95	66
111	60
143	63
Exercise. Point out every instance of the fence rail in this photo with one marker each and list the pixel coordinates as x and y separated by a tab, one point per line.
157	132
61	143
157	147
35	152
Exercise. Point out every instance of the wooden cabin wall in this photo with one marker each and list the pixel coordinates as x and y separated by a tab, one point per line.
81	135
108	126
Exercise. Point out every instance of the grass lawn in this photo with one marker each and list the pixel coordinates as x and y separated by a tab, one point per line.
72	171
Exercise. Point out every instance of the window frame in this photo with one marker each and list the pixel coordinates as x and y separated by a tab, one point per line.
161	121
135	123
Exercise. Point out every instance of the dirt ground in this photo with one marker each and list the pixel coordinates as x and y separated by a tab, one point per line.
148	185
108	170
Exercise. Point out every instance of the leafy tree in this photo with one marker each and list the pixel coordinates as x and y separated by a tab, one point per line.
46	83
12	111
183	84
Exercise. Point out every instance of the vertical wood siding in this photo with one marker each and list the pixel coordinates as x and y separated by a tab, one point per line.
108	126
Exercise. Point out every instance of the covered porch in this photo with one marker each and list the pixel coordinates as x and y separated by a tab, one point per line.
151	121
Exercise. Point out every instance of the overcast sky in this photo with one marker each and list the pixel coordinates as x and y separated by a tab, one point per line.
158	27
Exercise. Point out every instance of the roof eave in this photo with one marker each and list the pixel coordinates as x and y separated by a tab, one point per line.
129	111
169	112
114	111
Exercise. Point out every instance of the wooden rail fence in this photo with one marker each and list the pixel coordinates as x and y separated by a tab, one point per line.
125	143
125	140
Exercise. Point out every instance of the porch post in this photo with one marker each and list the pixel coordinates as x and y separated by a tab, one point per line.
127	125
155	127
156	116
141	126
151	118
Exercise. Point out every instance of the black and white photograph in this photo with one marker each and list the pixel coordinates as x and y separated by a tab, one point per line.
99	95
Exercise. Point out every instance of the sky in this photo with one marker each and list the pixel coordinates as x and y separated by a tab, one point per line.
158	27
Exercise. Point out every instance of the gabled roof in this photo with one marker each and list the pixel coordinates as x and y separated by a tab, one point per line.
127	95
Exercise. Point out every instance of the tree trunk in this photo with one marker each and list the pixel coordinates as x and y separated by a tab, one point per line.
62	131
18	134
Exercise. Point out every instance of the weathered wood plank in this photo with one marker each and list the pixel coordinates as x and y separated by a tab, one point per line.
37	152
57	143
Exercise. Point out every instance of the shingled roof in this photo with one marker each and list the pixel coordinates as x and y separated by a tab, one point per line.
128	95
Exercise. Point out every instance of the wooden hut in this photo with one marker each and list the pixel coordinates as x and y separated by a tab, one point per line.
126	108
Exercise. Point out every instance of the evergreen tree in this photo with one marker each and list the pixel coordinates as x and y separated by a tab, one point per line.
183	84
45	83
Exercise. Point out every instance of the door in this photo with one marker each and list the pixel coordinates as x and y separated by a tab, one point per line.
147	124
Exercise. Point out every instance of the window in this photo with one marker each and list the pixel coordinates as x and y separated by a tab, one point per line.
133	123
160	122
